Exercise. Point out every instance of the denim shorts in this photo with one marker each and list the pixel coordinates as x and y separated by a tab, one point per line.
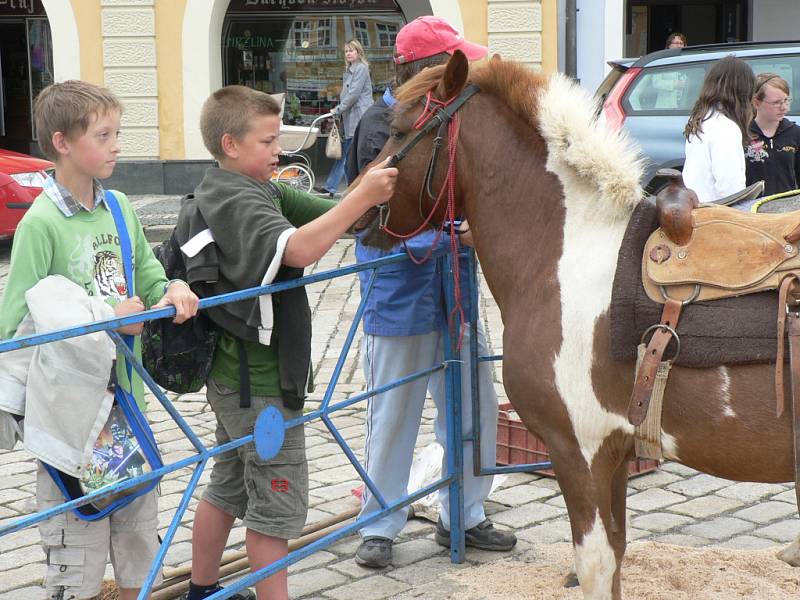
271	497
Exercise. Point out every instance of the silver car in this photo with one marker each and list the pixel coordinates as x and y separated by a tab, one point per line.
652	96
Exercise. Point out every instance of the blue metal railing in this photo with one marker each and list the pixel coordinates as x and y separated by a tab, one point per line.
452	366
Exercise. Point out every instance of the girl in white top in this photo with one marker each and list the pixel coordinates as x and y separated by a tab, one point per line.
717	131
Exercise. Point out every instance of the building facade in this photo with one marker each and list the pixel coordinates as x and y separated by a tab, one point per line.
164	57
612	29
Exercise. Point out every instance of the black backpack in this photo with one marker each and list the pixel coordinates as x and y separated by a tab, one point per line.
178	357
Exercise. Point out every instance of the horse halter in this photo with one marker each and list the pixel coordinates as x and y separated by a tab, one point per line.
441	116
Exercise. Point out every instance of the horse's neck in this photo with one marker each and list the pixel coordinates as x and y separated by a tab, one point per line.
532	239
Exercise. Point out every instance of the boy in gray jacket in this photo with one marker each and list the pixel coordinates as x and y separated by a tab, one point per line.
262	232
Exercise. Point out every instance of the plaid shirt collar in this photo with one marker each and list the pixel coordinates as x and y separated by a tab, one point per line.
66	202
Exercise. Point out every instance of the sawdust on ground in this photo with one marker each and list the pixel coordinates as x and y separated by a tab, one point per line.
651	571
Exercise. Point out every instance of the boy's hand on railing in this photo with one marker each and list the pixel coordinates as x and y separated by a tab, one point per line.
127	307
182	298
377	185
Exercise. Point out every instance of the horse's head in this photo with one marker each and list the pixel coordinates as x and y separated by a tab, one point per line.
417	121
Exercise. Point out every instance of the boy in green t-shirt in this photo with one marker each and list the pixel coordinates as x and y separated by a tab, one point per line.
70	231
262	232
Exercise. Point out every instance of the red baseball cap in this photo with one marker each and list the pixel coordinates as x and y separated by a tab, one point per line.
427	36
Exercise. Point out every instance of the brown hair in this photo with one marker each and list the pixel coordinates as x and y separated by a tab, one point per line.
728	88
771	79
406	71
676	35
69	107
230	110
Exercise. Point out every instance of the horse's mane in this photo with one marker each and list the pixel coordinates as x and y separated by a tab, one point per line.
512	82
580	147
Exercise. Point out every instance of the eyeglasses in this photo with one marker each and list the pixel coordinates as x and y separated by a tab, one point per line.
778	103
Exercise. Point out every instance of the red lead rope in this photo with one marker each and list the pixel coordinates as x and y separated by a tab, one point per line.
449	186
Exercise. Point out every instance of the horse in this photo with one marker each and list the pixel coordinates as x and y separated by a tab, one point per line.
548	191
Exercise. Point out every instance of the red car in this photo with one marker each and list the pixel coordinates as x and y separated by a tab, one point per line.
21	178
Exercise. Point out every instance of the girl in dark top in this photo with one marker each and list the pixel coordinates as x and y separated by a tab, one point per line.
772	154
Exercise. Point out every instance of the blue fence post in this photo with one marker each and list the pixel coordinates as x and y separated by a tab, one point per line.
455	434
472	317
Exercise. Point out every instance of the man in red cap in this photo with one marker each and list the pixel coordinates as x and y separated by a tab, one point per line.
405	327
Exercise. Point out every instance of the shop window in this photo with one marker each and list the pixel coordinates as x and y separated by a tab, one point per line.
302	34
362	32
387	34
278	53
324	33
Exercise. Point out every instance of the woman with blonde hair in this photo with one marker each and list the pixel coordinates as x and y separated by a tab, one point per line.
772	153
355	99
717	131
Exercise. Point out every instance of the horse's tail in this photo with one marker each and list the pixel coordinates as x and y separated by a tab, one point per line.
580	144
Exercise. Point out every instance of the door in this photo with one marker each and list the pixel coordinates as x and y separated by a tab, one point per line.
15	133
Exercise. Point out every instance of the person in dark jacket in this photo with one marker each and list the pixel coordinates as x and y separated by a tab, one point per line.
370	135
772	154
405	328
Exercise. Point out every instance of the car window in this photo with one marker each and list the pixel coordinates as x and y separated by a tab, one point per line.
787	67
667	89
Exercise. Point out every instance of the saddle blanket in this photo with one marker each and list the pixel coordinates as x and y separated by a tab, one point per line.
731	331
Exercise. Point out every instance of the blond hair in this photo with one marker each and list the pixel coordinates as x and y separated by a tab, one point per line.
769	79
69	107
230	110
356	45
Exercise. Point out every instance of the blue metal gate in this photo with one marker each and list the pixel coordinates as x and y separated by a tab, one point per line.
270	426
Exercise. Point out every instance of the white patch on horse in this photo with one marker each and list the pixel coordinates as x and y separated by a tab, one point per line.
599	173
669	446
725	392
595	563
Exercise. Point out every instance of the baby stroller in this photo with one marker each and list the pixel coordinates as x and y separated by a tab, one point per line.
298	173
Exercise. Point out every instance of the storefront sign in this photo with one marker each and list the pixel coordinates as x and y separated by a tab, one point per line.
250	41
21	8
309	5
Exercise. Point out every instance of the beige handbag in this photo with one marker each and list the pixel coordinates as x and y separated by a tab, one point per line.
333	147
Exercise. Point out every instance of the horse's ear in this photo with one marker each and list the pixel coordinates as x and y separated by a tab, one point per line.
455	76
496	57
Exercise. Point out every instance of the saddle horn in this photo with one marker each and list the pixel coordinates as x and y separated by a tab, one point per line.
675	204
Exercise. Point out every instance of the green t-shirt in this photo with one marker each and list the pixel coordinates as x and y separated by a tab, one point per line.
299	208
85	249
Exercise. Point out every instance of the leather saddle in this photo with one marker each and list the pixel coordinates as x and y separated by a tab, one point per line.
712	251
709	252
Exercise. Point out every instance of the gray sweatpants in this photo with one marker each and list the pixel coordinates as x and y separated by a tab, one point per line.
393	420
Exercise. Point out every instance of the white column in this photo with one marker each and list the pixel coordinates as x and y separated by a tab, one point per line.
202	66
515	30
66	43
129	68
450	11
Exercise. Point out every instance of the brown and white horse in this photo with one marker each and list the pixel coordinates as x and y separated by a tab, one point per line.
548	192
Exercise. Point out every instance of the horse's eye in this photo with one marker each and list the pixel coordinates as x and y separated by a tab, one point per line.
398	135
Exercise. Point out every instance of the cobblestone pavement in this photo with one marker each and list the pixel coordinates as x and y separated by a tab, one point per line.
674	504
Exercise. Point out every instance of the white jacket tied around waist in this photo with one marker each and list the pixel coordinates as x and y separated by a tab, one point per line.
59	387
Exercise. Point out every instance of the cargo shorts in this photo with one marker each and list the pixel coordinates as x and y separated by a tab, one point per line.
270	496
77	551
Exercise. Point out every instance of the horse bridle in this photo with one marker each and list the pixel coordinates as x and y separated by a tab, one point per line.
441	118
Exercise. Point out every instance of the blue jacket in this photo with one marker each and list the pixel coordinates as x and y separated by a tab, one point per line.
408	299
